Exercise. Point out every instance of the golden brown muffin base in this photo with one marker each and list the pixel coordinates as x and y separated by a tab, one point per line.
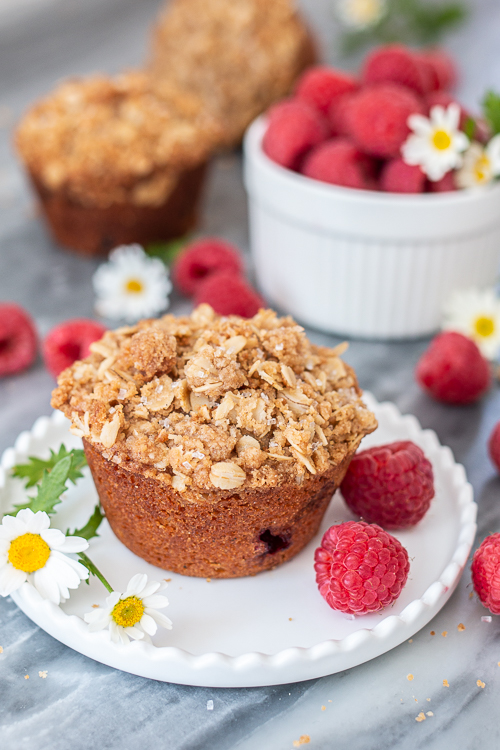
226	534
90	230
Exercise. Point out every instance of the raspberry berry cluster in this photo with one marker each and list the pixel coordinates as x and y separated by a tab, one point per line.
348	130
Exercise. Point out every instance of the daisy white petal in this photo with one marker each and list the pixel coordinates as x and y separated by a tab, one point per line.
157	601
71	544
148	624
12	527
436	143
131	285
53	537
361	14
476	314
11	579
46	586
134	633
493	153
151	588
135	585
159	618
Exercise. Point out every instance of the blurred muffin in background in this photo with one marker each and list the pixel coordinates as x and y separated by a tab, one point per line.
116	160
239	56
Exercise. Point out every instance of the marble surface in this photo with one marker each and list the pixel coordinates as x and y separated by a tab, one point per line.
81	703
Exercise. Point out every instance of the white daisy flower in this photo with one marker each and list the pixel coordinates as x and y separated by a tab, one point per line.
436	144
476	314
131	285
31	551
361	14
132	614
481	164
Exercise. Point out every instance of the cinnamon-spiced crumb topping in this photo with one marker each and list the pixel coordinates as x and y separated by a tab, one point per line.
206	402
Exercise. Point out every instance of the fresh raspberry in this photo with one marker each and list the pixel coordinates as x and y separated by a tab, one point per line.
360	568
339	114
445	185
378	118
399	177
442	72
229	294
200	259
494	446
293	128
339	162
391	485
453	369
486	573
70	341
395	64
18	339
320	85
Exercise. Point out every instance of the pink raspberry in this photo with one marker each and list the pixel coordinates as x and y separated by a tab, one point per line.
391	485
399	177
360	568
202	258
18	339
442	72
378	118
319	86
494	445
293	128
453	369
339	114
229	294
395	64
486	573
339	162
445	185
70	341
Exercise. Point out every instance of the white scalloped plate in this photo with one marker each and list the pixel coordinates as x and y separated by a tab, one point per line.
269	629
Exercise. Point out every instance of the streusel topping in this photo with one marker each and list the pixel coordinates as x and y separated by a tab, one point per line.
206	402
239	56
110	140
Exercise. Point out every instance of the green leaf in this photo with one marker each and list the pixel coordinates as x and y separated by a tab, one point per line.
470	128
89	531
33	471
94	571
166	251
491	110
50	489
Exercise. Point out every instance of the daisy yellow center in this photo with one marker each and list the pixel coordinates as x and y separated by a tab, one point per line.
364	11
482	168
484	326
134	286
28	552
441	140
128	612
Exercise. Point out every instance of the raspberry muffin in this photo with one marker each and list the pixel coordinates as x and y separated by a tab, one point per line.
215	443
117	160
239	57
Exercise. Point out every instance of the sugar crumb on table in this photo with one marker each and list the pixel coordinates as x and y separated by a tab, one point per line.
433	632
444	633
420	717
304	739
43	674
446	683
409	677
480	683
460	627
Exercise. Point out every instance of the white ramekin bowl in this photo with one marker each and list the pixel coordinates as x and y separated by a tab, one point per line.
361	263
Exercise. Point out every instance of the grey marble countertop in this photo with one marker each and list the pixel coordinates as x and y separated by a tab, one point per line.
82	704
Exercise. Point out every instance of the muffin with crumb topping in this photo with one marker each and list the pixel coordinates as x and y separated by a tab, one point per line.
117	160
239	57
215	443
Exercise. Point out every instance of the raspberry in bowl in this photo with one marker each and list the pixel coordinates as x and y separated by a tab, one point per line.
361	232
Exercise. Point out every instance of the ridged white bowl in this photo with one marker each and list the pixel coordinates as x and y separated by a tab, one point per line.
363	263
267	629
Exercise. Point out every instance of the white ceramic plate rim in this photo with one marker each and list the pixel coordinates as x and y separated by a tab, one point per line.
215	669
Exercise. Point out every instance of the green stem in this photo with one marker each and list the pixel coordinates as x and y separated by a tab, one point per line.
94	570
